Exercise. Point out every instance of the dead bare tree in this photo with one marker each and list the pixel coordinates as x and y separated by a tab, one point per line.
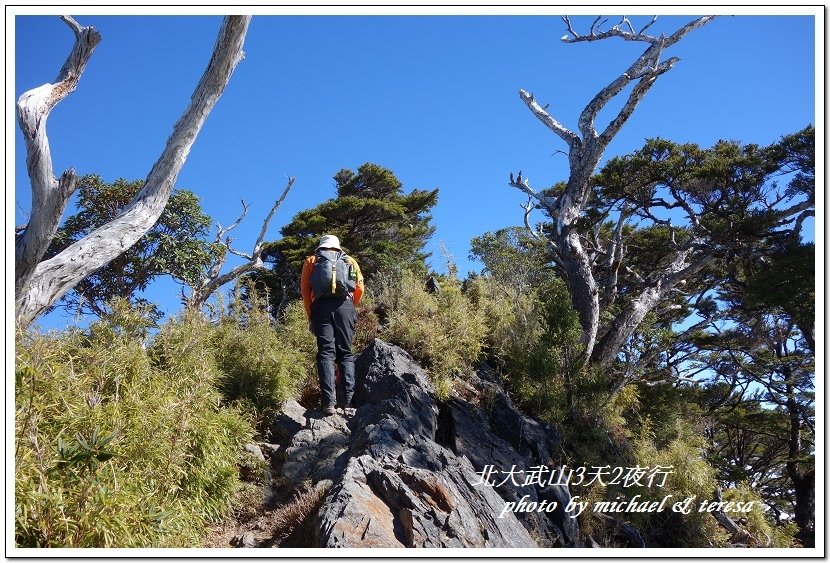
213	280
38	284
571	249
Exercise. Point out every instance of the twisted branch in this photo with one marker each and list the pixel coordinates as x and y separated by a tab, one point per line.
213	281
53	278
49	195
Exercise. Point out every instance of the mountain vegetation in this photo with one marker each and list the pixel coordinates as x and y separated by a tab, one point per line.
717	382
661	315
372	217
176	246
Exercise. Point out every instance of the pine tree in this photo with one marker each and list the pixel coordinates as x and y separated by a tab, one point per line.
375	220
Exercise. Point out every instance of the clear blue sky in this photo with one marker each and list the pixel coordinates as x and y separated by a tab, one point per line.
433	98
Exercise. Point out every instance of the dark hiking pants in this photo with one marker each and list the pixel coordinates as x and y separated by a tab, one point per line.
334	322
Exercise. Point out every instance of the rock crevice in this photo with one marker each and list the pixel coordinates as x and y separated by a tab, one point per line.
404	472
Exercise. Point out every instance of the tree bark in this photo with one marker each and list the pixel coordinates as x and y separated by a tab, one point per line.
52	278
625	324
49	194
584	155
583	289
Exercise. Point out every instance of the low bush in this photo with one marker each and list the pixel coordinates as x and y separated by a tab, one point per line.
262	364
120	445
444	330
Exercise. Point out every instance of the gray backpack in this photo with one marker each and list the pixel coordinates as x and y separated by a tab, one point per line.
332	275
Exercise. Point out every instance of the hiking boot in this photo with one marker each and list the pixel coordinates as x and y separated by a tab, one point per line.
328	411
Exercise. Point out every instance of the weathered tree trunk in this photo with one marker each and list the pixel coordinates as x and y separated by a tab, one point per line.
39	284
584	154
583	289
49	195
739	535
625	324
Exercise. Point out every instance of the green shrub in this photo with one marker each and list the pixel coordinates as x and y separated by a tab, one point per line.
758	522
262	363
532	338
444	331
117	445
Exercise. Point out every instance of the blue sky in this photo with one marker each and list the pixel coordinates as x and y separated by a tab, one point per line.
433	98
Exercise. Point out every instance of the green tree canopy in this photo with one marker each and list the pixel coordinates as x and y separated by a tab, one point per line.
374	219
176	246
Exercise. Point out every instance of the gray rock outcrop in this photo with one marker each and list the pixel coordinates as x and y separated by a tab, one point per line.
406	473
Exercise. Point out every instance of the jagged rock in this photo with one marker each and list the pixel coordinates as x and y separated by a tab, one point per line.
494	433
290	420
404	474
317	452
401	488
248	539
534	440
383	370
255	451
465	431
270	450
564	524
390	504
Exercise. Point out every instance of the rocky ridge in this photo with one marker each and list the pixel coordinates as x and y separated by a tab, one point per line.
406	471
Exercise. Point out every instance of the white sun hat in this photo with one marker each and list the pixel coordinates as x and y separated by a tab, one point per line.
329	241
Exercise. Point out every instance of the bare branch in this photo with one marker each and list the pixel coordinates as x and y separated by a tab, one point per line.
52	278
693	217
795	233
567	21
646	213
641	68
236	252
524	185
613	32
648	25
626	21
213	281
258	244
539	235
638	36
686	29
220	232
49	195
805	205
528	207
568	136
647	66
615	256
637	94
76	27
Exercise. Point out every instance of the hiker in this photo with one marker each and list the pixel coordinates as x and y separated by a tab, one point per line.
331	285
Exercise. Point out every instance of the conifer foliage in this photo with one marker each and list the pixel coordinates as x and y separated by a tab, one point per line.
375	220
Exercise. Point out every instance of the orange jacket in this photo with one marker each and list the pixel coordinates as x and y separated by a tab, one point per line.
305	283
